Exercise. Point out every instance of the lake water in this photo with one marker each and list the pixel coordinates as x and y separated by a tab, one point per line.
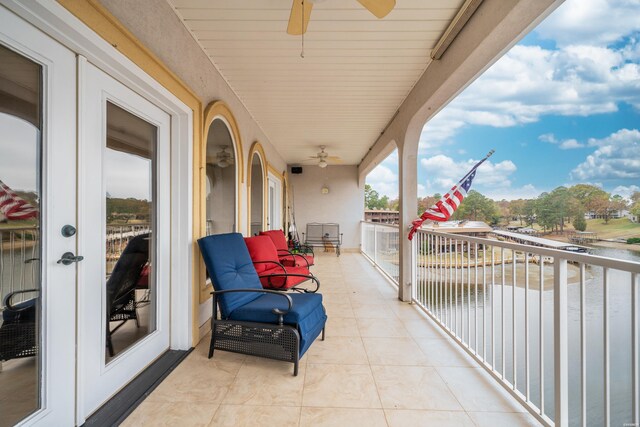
620	336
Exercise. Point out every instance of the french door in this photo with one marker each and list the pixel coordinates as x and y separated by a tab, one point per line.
37	214
84	231
124	212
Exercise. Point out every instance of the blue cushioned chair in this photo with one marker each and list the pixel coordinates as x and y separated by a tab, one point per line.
253	320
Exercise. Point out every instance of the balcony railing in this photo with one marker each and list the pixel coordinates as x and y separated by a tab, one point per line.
19	259
20	254
380	244
557	329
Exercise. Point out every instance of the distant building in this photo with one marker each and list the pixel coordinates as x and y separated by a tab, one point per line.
382	216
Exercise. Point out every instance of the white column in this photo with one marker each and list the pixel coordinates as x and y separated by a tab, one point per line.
408	183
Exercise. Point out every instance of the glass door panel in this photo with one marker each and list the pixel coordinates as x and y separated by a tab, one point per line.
129	171
20	277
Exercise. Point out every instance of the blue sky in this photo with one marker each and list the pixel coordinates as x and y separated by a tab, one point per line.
561	107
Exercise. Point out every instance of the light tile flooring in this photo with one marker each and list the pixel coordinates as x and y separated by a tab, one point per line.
383	363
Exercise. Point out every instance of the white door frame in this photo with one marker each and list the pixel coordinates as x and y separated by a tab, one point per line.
275	220
58	289
60	24
98	381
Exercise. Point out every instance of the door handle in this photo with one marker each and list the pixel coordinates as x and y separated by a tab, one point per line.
69	258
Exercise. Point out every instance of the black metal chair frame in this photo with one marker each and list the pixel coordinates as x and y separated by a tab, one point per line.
269	340
18	338
326	236
284	252
286	274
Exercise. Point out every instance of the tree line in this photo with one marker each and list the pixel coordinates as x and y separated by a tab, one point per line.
551	210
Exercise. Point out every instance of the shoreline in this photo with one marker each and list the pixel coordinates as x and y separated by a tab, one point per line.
616	245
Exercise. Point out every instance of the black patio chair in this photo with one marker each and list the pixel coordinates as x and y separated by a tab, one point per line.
121	286
253	320
19	325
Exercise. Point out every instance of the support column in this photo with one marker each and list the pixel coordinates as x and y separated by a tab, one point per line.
408	191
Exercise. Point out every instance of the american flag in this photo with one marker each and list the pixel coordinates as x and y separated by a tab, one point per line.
13	207
447	205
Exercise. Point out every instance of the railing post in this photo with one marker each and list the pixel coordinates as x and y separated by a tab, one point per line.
561	349
375	244
414	267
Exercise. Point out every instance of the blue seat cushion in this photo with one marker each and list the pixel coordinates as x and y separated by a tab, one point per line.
230	267
307	314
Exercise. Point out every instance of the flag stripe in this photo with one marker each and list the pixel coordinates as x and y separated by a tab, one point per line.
14	207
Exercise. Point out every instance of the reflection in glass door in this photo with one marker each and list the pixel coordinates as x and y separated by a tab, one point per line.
124	204
20	278
129	170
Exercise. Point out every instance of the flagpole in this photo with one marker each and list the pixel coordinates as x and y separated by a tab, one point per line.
489	154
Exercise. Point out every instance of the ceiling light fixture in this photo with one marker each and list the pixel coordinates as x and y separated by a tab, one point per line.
223	163
322	163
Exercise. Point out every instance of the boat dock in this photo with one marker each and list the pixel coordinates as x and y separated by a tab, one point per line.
538	241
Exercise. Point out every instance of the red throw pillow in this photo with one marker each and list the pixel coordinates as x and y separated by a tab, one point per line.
261	248
277	236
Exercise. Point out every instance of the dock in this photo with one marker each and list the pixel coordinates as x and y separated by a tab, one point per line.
538	241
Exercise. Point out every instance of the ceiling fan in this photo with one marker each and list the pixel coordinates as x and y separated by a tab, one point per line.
301	12
324	158
223	158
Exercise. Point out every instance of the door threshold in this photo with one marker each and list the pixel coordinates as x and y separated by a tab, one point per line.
120	406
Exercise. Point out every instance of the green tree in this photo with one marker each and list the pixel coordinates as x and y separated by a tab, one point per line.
517	209
529	211
477	207
615	204
552	209
593	199
425	203
372	199
579	223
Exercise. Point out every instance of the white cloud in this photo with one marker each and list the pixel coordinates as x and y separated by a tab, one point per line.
529	82
548	137
444	172
528	191
583	21
492	180
384	181
617	157
19	148
625	191
567	144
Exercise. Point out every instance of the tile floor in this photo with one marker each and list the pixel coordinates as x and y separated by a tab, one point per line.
383	363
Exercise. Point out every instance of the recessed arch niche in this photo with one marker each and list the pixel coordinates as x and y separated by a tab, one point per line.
223	171
256	189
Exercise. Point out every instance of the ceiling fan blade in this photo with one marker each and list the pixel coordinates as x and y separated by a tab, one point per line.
295	19
380	8
334	159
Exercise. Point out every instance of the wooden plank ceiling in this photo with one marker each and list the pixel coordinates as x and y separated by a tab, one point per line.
356	70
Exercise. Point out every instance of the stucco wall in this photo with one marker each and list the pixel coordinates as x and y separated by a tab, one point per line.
344	204
156	25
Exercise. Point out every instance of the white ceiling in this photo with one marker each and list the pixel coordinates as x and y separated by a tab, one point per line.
356	72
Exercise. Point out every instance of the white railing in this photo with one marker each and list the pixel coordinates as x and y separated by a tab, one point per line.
118	236
380	243
19	259
563	341
20	254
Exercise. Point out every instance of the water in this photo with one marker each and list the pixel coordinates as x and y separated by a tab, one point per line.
619	324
